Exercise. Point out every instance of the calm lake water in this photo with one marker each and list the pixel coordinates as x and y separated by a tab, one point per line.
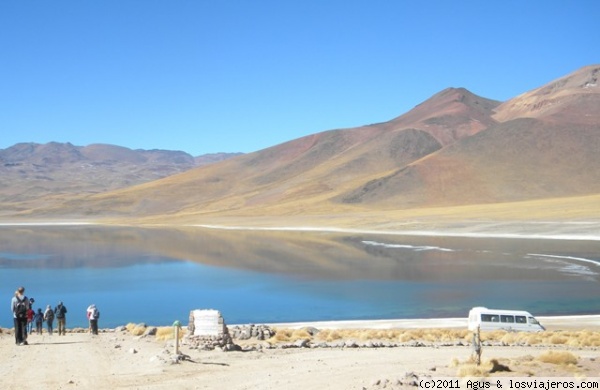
157	275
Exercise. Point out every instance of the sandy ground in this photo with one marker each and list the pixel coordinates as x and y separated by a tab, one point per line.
115	359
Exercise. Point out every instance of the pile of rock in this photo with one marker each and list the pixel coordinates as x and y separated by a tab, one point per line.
207	331
247	332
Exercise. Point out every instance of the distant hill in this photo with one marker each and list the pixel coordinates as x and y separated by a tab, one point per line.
211	158
32	173
456	148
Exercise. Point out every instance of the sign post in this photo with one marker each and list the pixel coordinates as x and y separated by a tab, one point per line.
177	326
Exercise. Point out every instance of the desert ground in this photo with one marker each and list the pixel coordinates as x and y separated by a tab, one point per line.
353	355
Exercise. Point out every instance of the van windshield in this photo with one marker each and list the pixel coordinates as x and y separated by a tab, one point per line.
533	321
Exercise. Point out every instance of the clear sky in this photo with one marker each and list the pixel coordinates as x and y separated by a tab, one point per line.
207	76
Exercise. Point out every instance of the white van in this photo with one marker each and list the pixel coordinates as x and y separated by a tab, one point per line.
510	320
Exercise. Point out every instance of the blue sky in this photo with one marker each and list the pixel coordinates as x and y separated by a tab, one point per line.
207	76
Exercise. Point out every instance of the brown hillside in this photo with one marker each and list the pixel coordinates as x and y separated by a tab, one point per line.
513	161
312	167
306	172
449	115
454	149
37	175
574	98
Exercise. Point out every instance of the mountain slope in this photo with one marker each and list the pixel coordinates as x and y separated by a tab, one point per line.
517	160
32	174
450	115
303	173
545	145
574	98
454	149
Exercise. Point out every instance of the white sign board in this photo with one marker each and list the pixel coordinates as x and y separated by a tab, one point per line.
207	323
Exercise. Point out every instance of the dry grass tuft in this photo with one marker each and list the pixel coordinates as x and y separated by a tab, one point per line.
558	339
470	369
164	333
135	329
563	358
399	335
583	338
290	335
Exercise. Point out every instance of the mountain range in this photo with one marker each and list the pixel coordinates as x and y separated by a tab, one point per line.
455	149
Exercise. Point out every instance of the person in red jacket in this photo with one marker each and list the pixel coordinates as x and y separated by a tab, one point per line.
30	315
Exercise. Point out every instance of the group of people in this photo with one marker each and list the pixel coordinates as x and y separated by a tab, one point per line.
24	317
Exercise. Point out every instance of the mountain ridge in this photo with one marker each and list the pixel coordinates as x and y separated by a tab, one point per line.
454	149
31	172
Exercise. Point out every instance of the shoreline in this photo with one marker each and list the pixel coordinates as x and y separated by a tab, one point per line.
552	230
424	233
569	321
551	322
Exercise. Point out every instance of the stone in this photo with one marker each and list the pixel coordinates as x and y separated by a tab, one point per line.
151	331
302	343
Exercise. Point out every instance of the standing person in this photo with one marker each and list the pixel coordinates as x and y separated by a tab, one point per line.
30	315
19	305
39	320
93	314
49	317
60	312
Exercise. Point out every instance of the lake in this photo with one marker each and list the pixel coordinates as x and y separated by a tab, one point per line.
157	276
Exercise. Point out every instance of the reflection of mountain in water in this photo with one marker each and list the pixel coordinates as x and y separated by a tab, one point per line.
305	254
73	247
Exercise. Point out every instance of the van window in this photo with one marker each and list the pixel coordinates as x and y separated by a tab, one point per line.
490	318
510	319
521	319
533	321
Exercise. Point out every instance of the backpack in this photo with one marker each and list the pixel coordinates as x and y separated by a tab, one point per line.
95	314
49	315
21	309
60	311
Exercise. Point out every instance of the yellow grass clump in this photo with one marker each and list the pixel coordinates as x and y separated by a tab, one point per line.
162	332
290	335
168	333
563	358
135	329
580	338
400	335
470	369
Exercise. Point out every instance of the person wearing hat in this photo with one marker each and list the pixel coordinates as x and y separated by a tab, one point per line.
60	312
